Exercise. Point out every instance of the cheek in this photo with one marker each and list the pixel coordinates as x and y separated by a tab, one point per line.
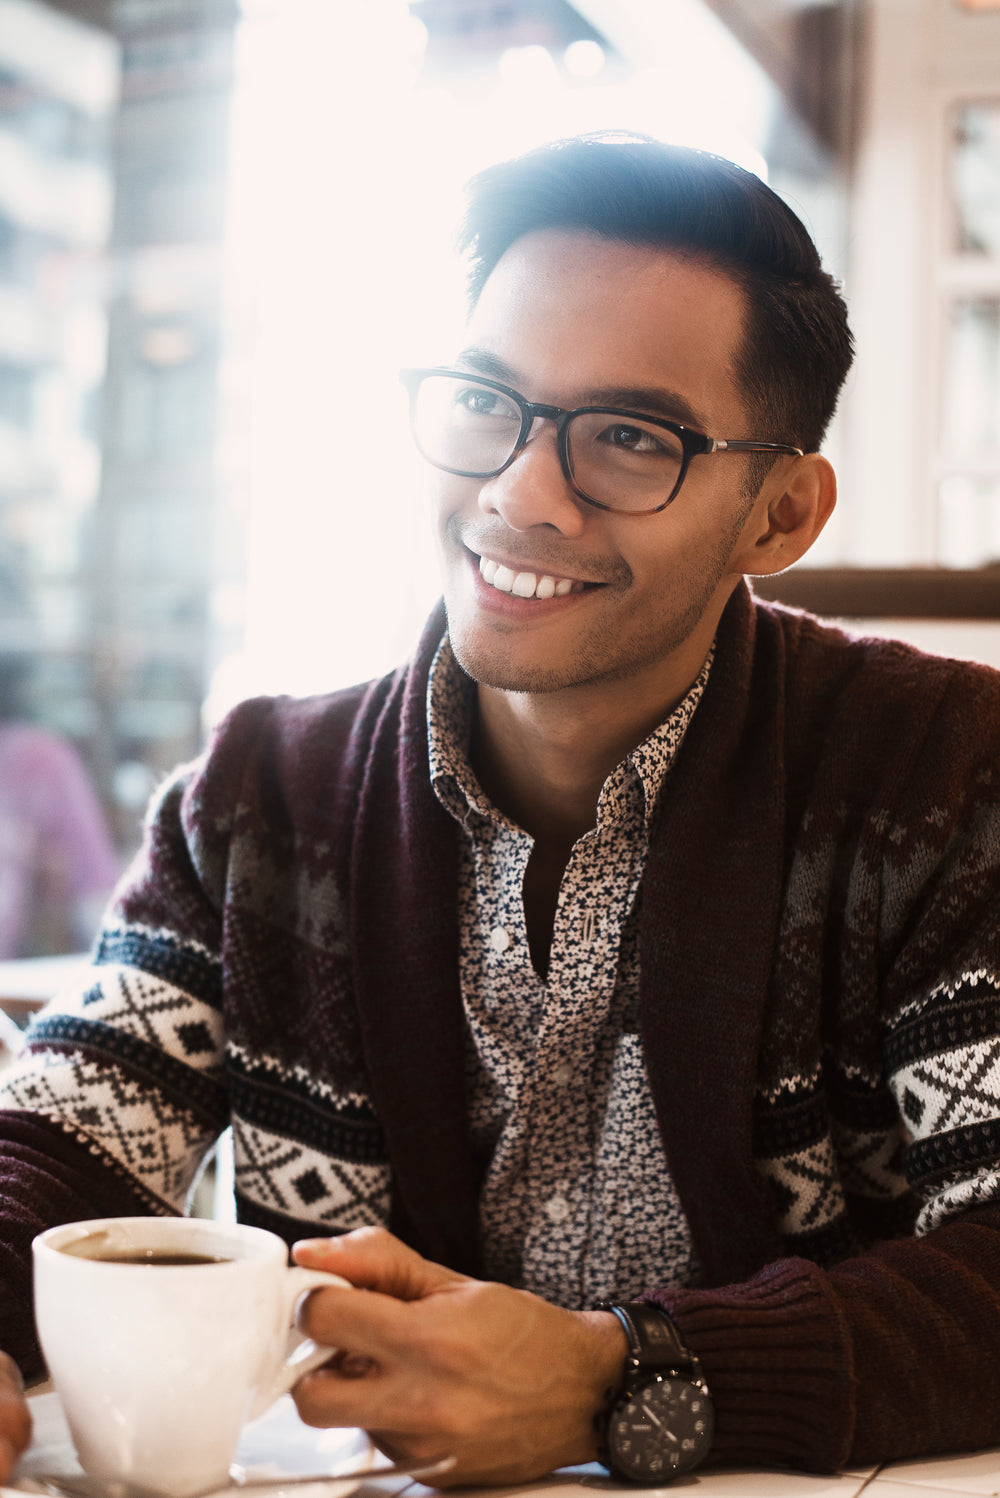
451	497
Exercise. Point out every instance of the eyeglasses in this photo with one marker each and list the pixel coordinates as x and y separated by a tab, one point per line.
623	461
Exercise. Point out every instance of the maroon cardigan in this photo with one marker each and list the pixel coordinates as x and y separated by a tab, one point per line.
867	762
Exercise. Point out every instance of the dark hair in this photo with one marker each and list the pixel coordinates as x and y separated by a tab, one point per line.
797	347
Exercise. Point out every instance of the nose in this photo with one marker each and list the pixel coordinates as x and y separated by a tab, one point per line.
534	490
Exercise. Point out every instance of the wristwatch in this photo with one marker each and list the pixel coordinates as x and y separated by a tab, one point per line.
662	1420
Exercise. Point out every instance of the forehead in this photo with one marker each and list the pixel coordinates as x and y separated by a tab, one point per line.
567	313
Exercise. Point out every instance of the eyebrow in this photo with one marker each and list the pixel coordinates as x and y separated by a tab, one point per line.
653	399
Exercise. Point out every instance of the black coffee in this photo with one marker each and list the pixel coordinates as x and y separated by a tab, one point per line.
157	1256
88	1248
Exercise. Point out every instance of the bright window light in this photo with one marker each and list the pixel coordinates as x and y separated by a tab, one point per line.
347	168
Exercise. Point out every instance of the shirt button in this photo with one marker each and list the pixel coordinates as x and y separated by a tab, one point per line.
588	927
557	1209
499	939
563	1074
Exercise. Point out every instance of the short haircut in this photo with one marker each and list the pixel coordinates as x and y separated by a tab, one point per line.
797	346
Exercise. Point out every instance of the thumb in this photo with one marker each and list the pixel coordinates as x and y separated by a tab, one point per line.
373	1259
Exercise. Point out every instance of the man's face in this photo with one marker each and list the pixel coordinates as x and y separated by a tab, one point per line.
567	319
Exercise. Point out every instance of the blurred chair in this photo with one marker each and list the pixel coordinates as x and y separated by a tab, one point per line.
57	861
948	611
10	1039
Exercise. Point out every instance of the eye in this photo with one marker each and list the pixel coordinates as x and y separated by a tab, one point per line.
643	441
635	439
479	400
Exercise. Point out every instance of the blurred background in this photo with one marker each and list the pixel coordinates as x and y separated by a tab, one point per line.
224	226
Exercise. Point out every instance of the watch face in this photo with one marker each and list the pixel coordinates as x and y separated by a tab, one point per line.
663	1428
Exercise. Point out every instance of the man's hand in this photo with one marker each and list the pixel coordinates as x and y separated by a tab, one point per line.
432	1363
15	1422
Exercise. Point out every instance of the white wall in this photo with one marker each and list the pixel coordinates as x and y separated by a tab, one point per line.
920	57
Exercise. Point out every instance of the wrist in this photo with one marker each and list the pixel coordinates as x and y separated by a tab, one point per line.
606	1349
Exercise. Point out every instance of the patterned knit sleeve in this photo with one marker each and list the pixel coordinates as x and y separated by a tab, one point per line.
939	917
120	1090
130	1062
892	1352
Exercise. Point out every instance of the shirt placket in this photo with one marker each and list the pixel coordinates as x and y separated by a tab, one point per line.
559	1104
503	1008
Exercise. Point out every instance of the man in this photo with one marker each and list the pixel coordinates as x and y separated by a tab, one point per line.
638	943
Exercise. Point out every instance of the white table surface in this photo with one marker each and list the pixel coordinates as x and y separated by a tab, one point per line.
280	1442
34	980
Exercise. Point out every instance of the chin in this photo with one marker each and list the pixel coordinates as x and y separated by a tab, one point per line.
491	665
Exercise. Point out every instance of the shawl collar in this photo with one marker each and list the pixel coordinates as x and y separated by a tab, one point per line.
404	924
711	905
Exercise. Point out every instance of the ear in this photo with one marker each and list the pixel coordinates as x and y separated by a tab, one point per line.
792	508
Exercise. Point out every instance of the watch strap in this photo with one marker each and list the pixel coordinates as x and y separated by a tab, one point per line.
653	1338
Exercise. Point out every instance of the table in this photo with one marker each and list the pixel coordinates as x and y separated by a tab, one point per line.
27	983
279	1433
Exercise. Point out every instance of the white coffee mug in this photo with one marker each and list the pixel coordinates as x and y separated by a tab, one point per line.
163	1336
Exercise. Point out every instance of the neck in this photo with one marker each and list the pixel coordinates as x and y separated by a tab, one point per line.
544	758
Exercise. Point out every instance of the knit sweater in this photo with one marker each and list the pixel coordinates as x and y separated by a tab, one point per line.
820	1017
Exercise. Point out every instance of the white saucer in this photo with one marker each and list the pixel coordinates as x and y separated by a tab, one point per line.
277	1443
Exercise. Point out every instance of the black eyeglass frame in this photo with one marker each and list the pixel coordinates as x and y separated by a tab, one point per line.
693	444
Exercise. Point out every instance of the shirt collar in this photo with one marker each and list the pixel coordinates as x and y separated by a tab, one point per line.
451	696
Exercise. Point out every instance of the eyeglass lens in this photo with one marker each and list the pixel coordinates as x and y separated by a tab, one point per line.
623	462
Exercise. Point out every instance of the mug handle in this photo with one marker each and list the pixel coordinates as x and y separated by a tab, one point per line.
306	1355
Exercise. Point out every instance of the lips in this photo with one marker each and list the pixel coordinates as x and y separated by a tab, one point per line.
527	584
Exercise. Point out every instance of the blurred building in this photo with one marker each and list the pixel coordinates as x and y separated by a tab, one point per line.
58	96
113	164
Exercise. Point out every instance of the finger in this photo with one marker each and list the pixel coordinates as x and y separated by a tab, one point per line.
328	1397
374	1259
10	1375
15	1422
8	1456
362	1322
351	1364
15	1418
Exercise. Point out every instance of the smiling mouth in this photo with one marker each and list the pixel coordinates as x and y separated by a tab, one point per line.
528	584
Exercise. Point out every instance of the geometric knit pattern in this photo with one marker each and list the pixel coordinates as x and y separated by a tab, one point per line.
275	1175
159	1144
944	1062
131	1062
137	1066
814	1166
302	1153
934	1130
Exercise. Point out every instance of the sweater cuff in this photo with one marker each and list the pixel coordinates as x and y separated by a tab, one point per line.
778	1361
47	1176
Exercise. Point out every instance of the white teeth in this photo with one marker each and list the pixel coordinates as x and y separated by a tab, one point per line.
523	584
